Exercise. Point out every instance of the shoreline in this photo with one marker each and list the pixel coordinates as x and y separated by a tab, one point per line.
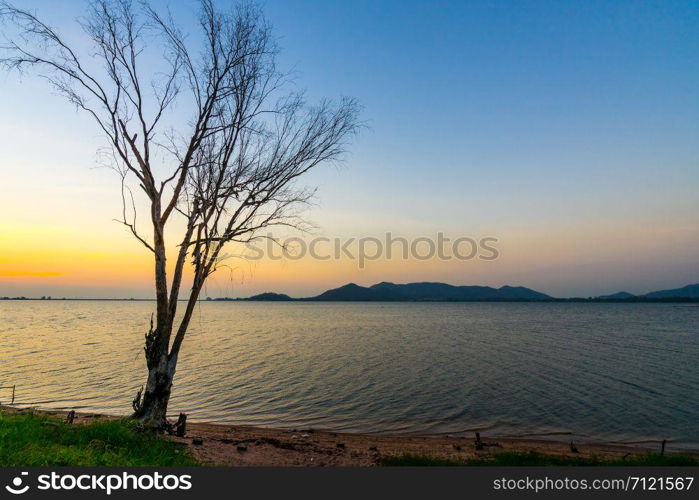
245	445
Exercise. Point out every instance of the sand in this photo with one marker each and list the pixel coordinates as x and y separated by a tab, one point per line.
242	445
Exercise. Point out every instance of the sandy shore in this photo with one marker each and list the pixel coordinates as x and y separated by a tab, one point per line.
241	445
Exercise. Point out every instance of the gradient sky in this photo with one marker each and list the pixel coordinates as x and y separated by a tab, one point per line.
567	130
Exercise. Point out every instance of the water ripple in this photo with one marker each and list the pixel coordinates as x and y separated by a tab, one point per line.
622	372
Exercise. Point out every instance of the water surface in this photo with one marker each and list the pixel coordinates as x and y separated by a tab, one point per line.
620	372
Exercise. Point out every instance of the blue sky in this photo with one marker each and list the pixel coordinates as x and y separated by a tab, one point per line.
569	130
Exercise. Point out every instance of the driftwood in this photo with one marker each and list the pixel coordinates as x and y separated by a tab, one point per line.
179	428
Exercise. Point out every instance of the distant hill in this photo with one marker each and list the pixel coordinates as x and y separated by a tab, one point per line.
689	291
354	292
427	292
616	296
270	296
443	291
686	292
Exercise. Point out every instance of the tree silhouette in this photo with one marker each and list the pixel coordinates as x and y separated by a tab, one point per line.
223	176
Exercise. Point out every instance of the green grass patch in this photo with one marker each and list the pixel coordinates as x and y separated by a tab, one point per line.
37	440
511	458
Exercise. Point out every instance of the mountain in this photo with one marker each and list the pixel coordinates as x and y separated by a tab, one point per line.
427	292
616	296
689	291
270	296
354	292
443	291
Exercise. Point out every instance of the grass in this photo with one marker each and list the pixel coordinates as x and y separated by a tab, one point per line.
28	439
39	440
510	458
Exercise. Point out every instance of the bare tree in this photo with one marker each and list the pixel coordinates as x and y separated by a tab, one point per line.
224	176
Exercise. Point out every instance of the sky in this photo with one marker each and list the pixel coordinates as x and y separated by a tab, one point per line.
568	131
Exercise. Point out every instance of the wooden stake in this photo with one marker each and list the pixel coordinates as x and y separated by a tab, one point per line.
479	443
181	425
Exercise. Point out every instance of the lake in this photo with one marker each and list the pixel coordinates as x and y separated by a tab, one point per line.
613	372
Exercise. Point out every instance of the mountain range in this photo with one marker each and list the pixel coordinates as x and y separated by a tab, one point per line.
686	292
428	292
443	292
391	292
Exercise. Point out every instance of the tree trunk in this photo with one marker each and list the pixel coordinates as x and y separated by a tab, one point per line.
151	408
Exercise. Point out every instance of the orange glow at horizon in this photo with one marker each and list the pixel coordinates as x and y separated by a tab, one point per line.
109	263
13	273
